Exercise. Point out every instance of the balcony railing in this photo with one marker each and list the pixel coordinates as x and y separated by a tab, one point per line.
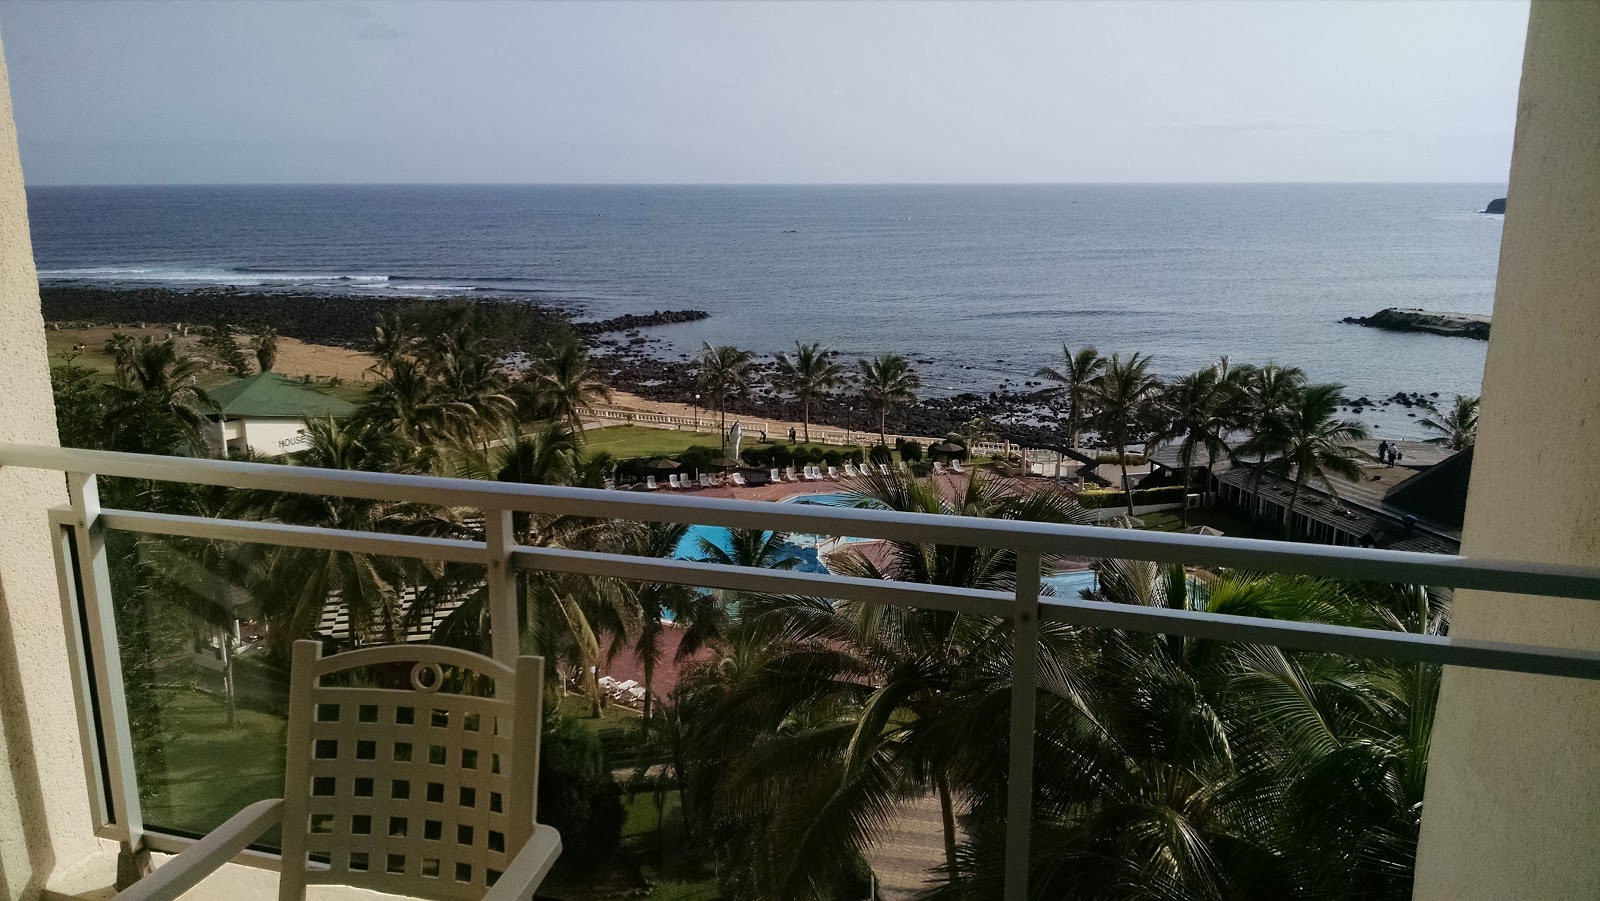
82	527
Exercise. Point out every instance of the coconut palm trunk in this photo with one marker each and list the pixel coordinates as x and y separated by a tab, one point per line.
947	813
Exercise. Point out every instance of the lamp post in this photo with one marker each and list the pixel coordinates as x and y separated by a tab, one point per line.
697	414
850	426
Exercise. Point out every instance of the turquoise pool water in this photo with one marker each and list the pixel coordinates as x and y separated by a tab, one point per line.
1072	584
799	545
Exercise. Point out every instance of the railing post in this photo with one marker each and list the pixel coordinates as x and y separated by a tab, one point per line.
501	538
1024	696
101	627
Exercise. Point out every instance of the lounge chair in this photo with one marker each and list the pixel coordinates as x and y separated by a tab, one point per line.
607	683
636	695
620	690
650	483
672	481
705	480
611	484
789	476
738	480
904	468
805	473
774	476
955	467
883	469
833	473
938	468
850	470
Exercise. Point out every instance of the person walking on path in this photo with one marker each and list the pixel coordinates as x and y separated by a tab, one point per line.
791	436
1383	451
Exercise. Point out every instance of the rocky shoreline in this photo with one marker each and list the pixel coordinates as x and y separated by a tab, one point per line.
1017	414
1453	325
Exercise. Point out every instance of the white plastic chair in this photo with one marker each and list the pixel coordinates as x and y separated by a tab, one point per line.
650	483
833	473
417	791
955	467
789	476
938	468
774	477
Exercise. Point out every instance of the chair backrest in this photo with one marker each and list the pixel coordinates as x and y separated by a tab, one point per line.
412	769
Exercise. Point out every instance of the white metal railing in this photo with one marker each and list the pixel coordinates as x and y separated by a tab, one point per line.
103	716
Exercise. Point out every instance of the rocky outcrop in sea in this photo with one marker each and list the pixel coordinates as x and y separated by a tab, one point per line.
1455	325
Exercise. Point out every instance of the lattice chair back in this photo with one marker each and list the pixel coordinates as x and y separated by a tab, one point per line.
426	790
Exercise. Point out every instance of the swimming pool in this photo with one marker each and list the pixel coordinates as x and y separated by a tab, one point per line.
805	547
1072	584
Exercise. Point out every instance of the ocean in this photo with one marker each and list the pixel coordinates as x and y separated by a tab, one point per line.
979	284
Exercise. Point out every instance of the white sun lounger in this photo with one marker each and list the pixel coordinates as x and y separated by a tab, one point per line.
883	469
637	694
672	481
904	468
738	480
833	473
955	467
774	476
789	476
650	483
938	468
805	473
850	470
607	683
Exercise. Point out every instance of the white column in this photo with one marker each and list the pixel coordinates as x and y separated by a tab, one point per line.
1512	807
44	804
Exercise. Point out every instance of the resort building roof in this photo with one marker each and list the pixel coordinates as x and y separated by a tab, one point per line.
268	395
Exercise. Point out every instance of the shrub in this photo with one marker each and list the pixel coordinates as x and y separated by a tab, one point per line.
1100	500
855	456
698	458
921	468
577	794
910	451
882	454
832	457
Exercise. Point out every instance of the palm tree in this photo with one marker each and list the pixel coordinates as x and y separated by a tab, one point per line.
750	548
811	373
1309	444
121	347
1457	429
1075	389
408	402
1200	418
1188	768
697	613
265	346
565	385
391	342
154	405
887	381
475	380
1269	391
1127	399
821	720
725	372
300	582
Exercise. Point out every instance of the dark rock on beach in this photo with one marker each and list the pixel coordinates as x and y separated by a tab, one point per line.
1456	325
632	322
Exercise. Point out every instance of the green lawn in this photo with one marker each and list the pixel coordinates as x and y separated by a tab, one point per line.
212	771
655	838
1229	522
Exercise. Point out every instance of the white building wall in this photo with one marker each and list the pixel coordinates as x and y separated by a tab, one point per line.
1512	806
273	437
44	808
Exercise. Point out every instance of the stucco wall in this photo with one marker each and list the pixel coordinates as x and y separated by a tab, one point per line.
44	812
267	437
1512	806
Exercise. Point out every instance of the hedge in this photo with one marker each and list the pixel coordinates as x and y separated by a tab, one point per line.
1100	500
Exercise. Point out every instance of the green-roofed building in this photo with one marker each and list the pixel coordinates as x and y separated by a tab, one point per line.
267	414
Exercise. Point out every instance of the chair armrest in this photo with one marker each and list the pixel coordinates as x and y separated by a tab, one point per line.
529	867
185	871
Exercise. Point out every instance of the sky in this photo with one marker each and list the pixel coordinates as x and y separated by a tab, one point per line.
132	92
